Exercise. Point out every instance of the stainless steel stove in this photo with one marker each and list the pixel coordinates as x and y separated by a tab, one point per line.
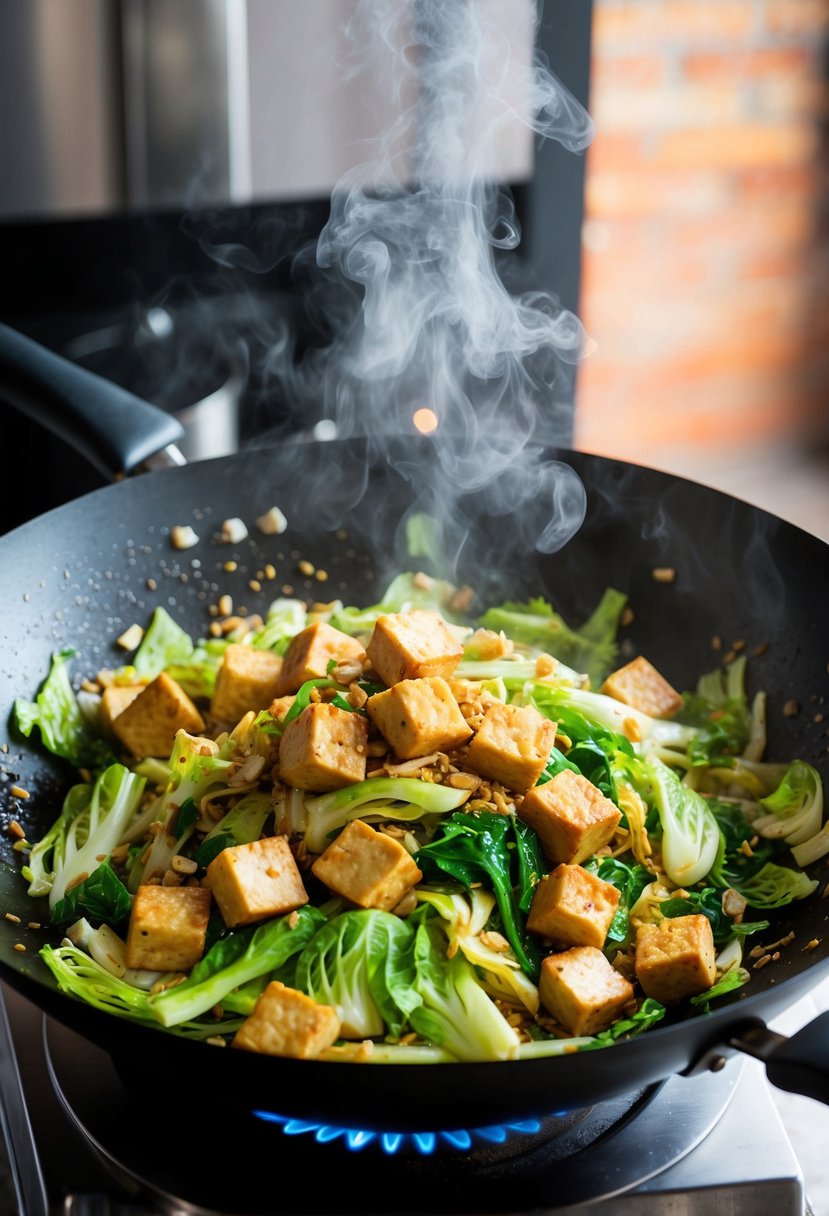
82	1142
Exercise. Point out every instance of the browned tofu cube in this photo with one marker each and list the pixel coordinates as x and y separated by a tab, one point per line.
115	699
367	867
412	645
675	958
148	725
572	907
167	927
641	686
279	707
417	717
311	651
571	817
324	748
582	991
286	1022
247	679
252	881
512	745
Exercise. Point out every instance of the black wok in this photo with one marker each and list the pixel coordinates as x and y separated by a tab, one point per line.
78	575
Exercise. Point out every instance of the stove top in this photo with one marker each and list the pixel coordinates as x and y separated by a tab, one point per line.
83	1142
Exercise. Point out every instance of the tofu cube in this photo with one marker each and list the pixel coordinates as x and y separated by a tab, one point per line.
167	927
324	748
641	686
512	745
675	958
412	645
279	707
367	867
286	1022
582	990
310	652
148	725
417	717
572	907
115	699
252	881
247	679
571	817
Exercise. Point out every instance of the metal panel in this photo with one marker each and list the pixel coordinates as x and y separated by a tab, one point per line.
59	96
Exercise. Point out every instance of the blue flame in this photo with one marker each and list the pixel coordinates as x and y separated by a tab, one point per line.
425	1143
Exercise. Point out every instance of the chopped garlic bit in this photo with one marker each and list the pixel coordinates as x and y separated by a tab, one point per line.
233	530
272	521
130	639
183	537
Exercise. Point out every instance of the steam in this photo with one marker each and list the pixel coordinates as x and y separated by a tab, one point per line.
421	329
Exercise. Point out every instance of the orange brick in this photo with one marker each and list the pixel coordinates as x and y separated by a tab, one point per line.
670	106
797	16
737	146
654	191
626	71
748	62
770	183
672	20
616	150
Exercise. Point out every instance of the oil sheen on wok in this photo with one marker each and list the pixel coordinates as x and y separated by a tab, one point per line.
398	833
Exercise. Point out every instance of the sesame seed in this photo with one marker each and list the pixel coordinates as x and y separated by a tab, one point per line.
34	924
216	1041
716	642
14	919
663	574
14	829
321	576
20	948
270	571
813	944
151	584
255	585
18	791
305	568
230	567
791	709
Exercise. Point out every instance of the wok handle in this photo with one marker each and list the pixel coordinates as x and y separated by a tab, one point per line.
799	1064
115	430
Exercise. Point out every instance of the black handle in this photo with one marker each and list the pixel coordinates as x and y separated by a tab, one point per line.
115	430
799	1064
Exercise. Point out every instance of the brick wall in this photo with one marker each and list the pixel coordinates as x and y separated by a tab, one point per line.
705	256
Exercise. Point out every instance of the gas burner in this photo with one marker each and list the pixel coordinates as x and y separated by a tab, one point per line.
79	1142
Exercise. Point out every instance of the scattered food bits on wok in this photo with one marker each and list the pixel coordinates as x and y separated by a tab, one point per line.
272	522
357	832
182	536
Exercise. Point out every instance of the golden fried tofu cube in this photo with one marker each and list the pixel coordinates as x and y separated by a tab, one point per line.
115	699
252	881
582	990
572	907
311	651
279	707
641	686
512	745
148	725
286	1022
247	679
675	958
417	717
412	645
571	817
324	748
367	867
167	927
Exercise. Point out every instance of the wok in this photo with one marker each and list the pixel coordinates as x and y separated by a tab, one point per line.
78	575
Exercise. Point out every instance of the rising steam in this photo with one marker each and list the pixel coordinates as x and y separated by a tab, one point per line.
421	324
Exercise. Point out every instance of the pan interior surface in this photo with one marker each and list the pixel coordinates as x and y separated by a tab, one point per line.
80	575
